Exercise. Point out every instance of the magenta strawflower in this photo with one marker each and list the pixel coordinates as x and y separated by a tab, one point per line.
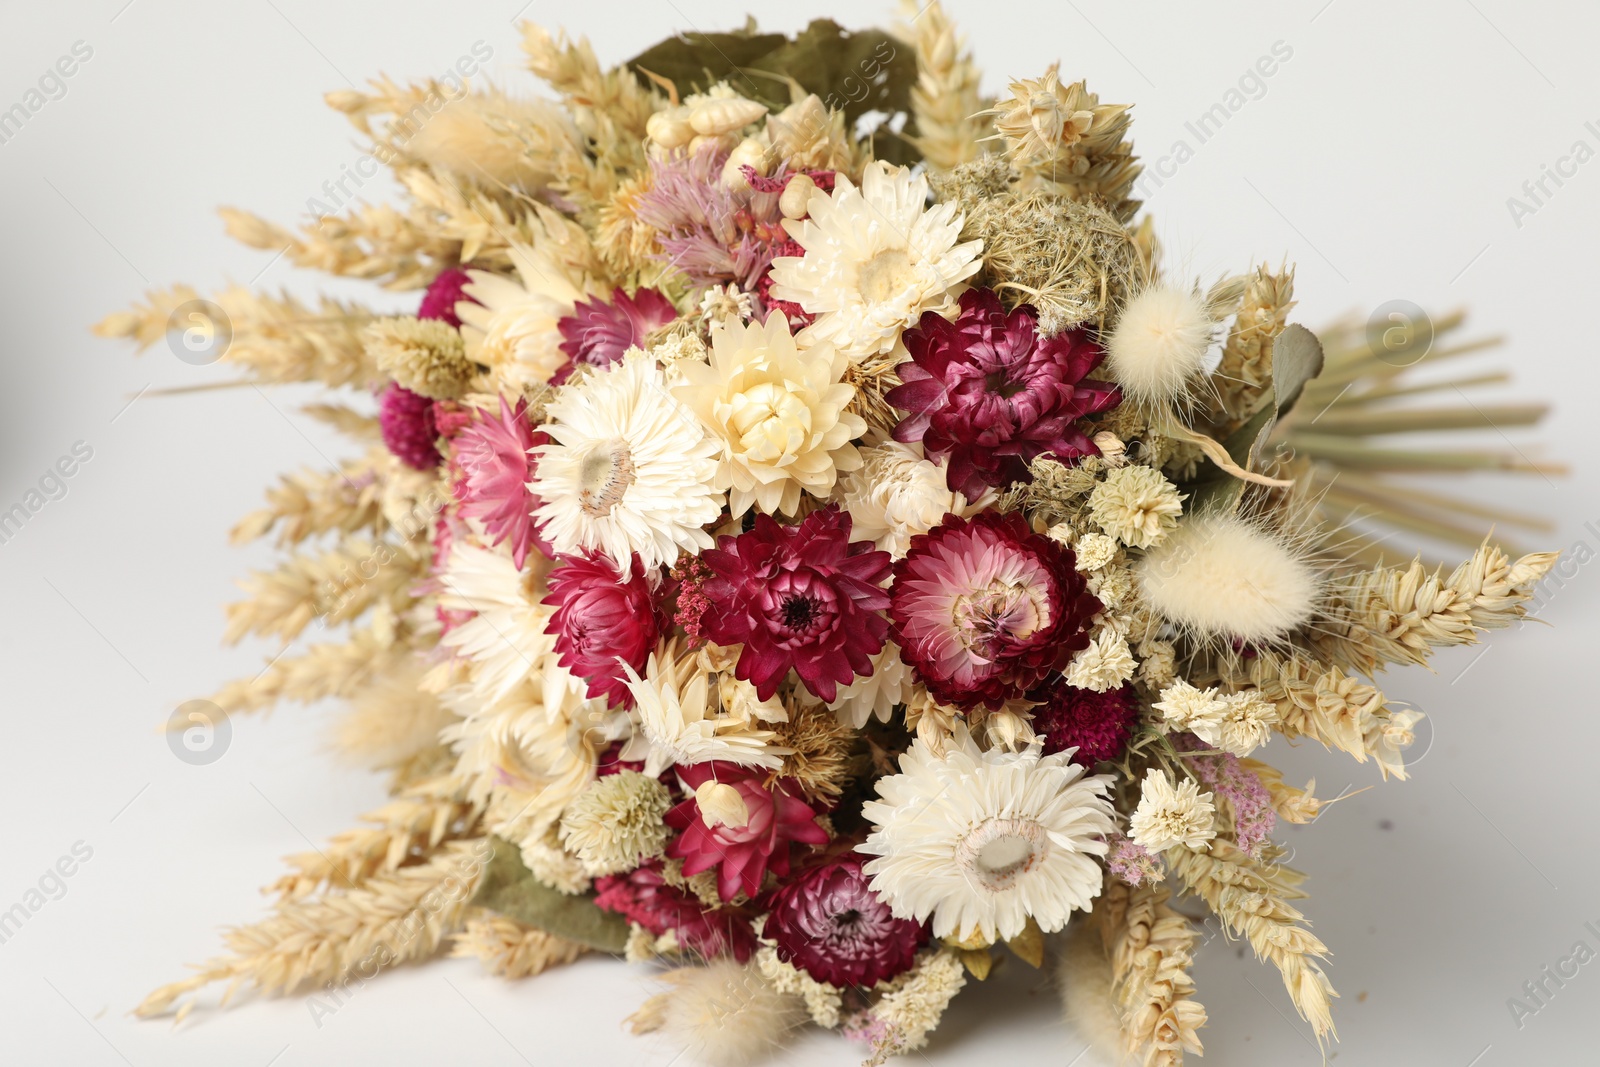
444	292
985	609
830	924
742	855
800	596
496	466
597	333
602	620
644	897
406	421
1096	724
992	395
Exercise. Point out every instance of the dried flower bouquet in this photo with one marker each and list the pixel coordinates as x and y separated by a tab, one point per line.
806	537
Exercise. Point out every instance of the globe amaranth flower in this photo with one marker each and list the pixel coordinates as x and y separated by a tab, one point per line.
985	609
406	421
643	896
597	333
828	922
444	292
991	394
603	619
1097	725
496	466
801	596
774	820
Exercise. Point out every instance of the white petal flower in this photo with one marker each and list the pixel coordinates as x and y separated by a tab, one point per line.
896	494
1105	664
876	258
1246	722
676	719
1169	815
505	639
876	694
629	468
981	841
1136	505
1197	710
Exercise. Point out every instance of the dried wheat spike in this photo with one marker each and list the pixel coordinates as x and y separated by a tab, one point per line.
945	103
512	949
1151	948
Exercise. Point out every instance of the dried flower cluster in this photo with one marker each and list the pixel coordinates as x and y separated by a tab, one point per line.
809	570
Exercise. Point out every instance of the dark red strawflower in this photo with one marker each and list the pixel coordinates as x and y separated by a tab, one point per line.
597	333
801	596
602	620
444	292
1096	724
830	924
644	897
742	855
985	609
992	395
406	420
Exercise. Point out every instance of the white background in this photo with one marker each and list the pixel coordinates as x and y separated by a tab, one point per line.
1380	158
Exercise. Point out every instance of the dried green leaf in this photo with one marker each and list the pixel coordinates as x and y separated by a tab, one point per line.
510	889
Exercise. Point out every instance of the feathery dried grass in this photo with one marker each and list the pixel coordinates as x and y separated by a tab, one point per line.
820	762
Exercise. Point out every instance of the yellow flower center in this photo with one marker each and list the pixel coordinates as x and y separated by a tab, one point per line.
1000	609
884	275
603	476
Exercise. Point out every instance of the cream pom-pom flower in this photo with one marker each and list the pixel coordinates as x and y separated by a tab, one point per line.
982	840
512	325
897	493
1160	345
1105	664
616	823
1170	815
777	413
628	468
1221	576
1136	505
876	258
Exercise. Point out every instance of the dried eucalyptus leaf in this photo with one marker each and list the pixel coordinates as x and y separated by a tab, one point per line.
509	888
1296	359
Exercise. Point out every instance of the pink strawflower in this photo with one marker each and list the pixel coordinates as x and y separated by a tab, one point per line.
801	596
444	292
496	466
406	421
603	619
830	924
742	855
1096	724
597	333
1130	862
992	395
643	896
985	609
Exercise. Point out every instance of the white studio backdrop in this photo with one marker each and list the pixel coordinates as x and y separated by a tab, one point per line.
1395	152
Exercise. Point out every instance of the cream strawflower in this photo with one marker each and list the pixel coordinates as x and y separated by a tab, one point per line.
896	494
1169	815
628	470
876	258
876	694
513	326
778	414
505	639
1136	505
679	725
981	841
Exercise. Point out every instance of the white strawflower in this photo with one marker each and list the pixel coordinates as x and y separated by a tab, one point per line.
1136	505
628	470
896	494
1169	815
981	841
1159	345
876	258
505	639
776	414
616	823
1105	664
513	327
679	725
876	694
